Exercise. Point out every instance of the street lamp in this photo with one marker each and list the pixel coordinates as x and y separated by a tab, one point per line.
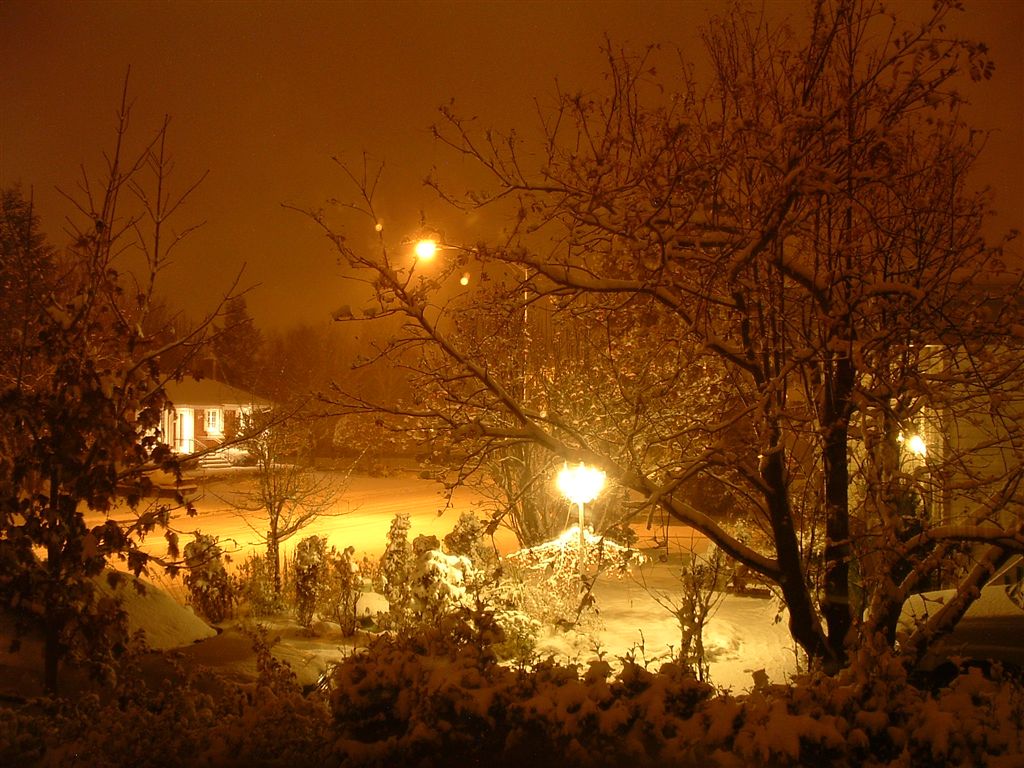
914	443
580	484
425	249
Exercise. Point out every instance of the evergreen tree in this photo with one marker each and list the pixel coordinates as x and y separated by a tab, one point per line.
26	279
236	345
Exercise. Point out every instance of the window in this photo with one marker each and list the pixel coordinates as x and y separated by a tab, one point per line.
214	421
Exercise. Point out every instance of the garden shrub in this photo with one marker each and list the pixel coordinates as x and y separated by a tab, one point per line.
255	587
342	590
438	699
311	573
467	539
394	571
210	591
196	720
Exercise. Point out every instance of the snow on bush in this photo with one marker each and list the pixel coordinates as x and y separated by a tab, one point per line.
190	718
440	698
311	570
343	590
431	700
392	577
438	583
210	591
552	581
437	694
255	586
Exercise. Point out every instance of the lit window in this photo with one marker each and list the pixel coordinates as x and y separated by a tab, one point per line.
214	421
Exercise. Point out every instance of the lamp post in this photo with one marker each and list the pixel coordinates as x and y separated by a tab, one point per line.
580	484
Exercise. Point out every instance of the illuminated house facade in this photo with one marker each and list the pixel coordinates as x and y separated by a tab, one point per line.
205	413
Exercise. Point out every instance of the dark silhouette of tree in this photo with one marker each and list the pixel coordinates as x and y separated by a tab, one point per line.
81	398
780	282
26	269
237	345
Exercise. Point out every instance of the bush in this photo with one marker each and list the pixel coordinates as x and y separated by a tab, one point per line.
255	587
467	539
440	698
199	720
344	586
210	591
311	570
394	571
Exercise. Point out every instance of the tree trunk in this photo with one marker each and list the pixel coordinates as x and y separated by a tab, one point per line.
51	615
274	555
803	621
51	653
836	607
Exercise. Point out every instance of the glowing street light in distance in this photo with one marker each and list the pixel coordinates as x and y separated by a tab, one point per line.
425	249
914	443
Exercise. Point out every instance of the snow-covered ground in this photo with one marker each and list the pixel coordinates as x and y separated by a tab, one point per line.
742	638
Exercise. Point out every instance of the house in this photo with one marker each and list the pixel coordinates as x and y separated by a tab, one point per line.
205	413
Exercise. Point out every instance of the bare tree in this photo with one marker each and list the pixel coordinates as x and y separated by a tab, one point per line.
702	581
288	493
794	242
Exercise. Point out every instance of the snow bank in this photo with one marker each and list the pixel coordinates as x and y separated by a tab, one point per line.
167	624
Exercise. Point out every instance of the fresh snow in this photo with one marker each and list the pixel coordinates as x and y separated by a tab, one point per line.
742	637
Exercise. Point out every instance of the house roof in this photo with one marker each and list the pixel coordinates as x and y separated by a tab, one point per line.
209	393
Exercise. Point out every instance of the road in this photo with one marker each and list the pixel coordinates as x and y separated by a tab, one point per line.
360	518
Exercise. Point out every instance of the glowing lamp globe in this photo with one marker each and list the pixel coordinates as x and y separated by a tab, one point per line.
580	484
425	249
913	443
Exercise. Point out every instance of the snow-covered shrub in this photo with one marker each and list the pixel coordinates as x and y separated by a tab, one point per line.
550	583
210	591
26	732
519	633
422	699
255	587
703	577
199	720
237	456
703	580
447	590
427	701
311	572
344	586
438	584
394	571
440	699
467	539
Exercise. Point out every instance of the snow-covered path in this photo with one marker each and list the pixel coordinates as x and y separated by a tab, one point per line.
741	638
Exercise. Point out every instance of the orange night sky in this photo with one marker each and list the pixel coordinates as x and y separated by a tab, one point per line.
261	95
